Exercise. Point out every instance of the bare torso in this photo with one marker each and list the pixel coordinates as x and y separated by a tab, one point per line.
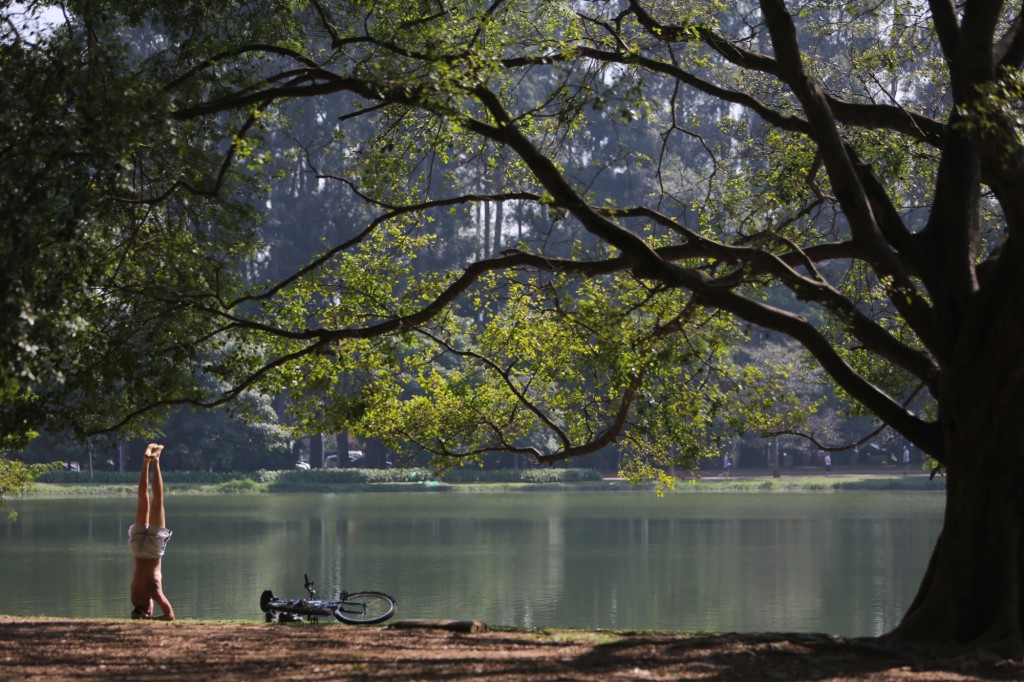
147	583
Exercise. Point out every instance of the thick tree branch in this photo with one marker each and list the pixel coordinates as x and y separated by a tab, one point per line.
645	262
947	27
1010	48
751	262
240	51
391	214
857	207
568	449
225	397
641	258
923	434
729	49
867	116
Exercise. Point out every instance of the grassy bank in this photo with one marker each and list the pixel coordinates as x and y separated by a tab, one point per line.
69	484
810	483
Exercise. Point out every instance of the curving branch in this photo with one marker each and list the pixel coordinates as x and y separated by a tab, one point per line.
240	51
392	213
868	116
751	262
729	49
520	396
224	398
645	262
1010	49
947	26
568	449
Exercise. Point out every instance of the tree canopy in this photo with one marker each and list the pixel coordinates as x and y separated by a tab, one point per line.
668	174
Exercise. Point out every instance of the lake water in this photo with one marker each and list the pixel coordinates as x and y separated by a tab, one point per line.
844	563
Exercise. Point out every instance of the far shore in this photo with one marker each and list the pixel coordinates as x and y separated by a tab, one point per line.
794	480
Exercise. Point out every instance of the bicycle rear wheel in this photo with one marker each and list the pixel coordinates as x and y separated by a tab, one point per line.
265	599
365	608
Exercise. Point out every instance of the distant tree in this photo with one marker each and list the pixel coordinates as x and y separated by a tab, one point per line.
217	440
62	447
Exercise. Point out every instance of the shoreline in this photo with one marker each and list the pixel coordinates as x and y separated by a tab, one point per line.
801	481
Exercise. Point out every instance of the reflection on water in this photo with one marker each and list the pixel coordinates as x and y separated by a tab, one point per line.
845	563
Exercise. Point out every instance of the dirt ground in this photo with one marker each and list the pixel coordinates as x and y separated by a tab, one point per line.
54	649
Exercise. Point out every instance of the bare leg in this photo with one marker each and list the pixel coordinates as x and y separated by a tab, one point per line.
142	509
158	518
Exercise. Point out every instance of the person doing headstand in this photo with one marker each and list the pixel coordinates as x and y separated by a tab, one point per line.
147	538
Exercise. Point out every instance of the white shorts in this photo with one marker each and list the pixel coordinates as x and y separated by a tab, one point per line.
148	542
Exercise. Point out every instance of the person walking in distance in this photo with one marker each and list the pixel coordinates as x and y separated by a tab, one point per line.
147	538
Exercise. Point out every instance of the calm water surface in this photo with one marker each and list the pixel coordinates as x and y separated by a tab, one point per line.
845	563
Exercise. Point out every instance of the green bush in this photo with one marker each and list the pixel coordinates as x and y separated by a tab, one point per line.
266	476
242	485
522	476
305	478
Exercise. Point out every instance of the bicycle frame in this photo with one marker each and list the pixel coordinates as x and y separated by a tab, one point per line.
364	608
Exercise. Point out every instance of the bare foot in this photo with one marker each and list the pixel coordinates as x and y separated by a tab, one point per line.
153	451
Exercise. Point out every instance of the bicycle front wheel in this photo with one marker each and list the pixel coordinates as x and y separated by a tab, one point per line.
365	608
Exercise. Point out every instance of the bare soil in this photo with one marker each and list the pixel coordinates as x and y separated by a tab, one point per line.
55	649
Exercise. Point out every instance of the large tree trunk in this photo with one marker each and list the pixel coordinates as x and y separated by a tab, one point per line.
971	596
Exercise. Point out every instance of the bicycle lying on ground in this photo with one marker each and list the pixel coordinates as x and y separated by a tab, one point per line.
356	608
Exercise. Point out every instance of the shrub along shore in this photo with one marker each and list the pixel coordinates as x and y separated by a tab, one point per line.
73	483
